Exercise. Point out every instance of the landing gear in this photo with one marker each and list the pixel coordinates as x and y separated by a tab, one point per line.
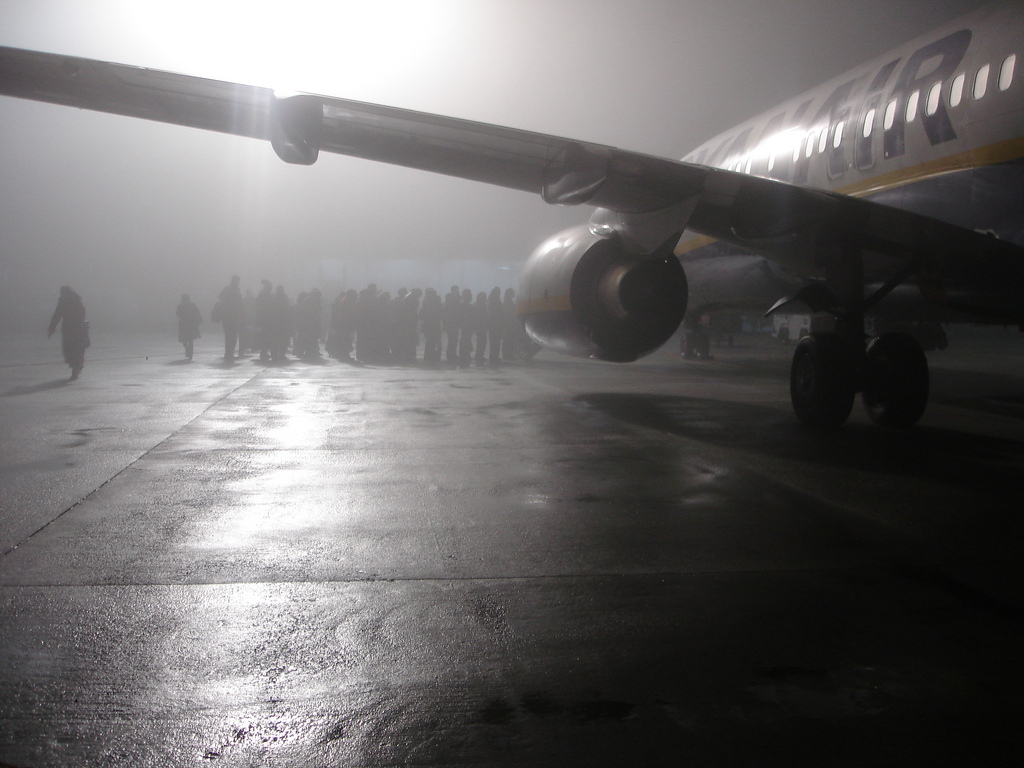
822	380
829	368
895	380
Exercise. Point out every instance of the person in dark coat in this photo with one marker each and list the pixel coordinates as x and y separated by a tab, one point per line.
308	325
465	316
247	327
495	324
263	319
384	320
511	341
301	325
232	315
189	319
450	324
430	323
408	326
343	325
74	329
280	326
478	324
315	320
366	330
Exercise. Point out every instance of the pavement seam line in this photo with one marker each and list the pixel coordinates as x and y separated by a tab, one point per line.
133	462
678	574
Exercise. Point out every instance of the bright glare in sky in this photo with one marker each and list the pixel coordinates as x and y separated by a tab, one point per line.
358	50
340	48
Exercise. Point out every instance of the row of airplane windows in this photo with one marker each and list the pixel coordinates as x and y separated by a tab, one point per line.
956	92
954	98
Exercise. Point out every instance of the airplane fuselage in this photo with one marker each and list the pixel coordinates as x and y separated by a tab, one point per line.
935	126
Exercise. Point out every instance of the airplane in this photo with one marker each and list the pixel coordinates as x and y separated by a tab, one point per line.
895	188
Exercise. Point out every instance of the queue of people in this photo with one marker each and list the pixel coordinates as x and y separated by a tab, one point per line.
370	325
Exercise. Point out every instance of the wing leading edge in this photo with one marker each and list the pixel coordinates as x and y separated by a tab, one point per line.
562	171
795	226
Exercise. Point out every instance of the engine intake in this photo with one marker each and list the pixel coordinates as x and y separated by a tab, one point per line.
584	295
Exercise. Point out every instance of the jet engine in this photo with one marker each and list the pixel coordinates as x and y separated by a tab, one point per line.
582	294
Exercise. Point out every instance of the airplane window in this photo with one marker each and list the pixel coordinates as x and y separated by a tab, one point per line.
912	106
771	162
810	143
1006	71
956	90
932	105
981	82
746	169
837	138
822	141
869	123
796	150
890	115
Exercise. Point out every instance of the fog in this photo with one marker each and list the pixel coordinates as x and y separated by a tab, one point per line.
132	214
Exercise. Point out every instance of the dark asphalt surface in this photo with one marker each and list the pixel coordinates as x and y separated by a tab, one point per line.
563	563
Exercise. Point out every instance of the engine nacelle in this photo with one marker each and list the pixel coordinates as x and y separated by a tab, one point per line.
584	295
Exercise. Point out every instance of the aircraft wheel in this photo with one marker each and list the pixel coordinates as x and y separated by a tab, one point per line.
821	380
896	381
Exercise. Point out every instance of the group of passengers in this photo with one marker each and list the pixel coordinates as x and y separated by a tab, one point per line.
369	325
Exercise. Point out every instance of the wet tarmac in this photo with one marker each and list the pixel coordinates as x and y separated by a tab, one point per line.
563	563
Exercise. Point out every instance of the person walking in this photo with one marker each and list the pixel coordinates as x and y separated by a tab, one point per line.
189	320
231	313
495	325
430	323
74	329
450	318
263	319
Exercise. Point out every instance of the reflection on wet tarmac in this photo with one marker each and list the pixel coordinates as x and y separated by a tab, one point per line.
558	564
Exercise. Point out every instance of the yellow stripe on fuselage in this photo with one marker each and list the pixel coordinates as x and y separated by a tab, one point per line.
1001	152
992	154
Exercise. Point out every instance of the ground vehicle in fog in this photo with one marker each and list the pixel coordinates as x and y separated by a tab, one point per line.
789	328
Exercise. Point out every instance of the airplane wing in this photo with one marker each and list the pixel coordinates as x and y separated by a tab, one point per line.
789	224
299	126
